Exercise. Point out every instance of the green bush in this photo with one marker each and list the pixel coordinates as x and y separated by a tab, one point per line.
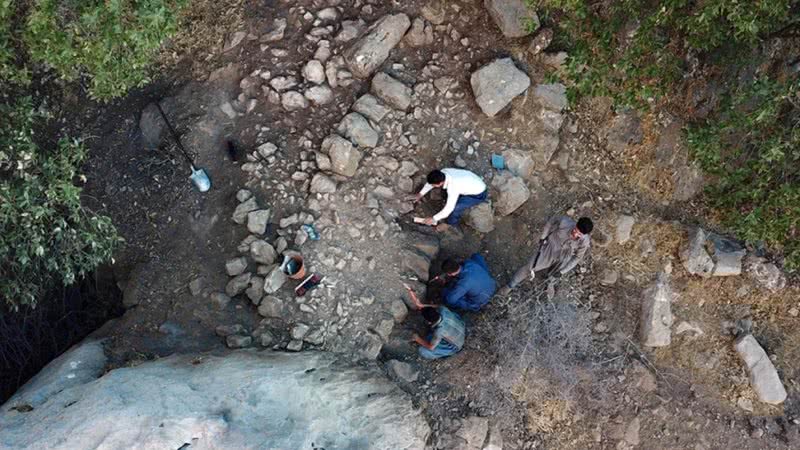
46	236
111	41
9	72
633	50
753	149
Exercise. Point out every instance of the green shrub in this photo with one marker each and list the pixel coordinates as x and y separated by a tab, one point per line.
9	72
111	41
753	149
633	50
46	236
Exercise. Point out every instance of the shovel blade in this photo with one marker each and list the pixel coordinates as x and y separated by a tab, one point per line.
200	180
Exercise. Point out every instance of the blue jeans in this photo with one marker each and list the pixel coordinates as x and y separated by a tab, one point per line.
464	203
442	350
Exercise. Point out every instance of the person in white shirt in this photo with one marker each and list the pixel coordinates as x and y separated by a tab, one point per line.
464	190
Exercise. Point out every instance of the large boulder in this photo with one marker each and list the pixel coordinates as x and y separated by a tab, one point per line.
519	163
514	18
369	52
481	217
763	376
267	400
511	193
356	128
392	91
496	84
549	102
344	157
656	318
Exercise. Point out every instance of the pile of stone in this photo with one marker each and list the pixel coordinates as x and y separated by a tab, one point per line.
709	254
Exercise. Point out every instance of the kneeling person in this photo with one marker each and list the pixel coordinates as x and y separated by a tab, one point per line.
474	285
447	333
464	190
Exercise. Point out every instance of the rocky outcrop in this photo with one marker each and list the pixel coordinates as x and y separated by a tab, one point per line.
265	400
763	376
496	84
368	53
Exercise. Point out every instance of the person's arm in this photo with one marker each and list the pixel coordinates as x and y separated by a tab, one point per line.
551	225
415	300
455	296
452	199
416	338
425	189
575	260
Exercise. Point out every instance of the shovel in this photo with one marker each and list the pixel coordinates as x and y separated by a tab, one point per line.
199	176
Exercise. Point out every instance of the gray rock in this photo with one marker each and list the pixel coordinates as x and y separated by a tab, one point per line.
319	95
369	106
624	227
420	34
765	273
262	252
763	376
609	277
322	184
257	221
384	328
519	163
243	209
495	441
283	83
236	341
274	280
271	306
403	371
323	162
435	11
399	310
316	337
513	17
369	52
220	300
694	256
417	263
227	330
369	345
688	181
625	130
481	217
294	345
314	72
299	331
265	338
356	128
236	266
196	286
234	40
351	29
243	195
392	91
657	317
276	31
238	284
293	101
552	97
256	290
727	256
549	100
473	430
344	157
290	408
329	14
152	126
541	41
496	84
512	192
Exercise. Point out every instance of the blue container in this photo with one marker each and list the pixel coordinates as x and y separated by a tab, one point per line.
311	231
498	162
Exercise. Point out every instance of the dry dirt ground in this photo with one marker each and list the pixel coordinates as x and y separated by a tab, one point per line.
566	373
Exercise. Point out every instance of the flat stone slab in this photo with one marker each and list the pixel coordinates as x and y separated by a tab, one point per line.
496	84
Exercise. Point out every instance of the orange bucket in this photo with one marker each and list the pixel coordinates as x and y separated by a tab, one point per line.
294	267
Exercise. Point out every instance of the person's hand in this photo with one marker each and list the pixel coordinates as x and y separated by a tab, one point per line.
429	221
415	337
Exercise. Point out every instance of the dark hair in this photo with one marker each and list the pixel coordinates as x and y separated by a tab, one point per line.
450	266
435	177
585	225
431	315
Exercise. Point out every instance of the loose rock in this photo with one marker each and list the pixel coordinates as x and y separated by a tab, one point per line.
344	157
293	101
257	221
271	306
481	217
356	128
514	18
274	280
256	290
694	256
314	72
402	370
235	266
262	252
473	430
392	91
496	84
243	209
236	341
369	106
765	273
322	184
319	95
420	34
550	100
657	313
763	376
512	192
624	228
238	284
366	55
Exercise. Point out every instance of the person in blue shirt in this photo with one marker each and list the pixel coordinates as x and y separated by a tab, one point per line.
471	286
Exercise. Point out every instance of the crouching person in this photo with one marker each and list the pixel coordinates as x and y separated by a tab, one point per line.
446	337
447	333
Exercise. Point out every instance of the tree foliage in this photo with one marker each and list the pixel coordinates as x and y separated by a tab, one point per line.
46	235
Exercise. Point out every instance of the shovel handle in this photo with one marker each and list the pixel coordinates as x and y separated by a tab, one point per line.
175	136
